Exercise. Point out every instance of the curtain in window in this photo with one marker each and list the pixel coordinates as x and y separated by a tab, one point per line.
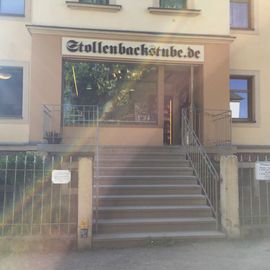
239	14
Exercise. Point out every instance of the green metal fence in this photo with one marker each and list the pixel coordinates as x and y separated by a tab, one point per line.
30	204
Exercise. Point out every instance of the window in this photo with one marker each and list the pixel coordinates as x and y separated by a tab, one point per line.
12	7
125	93
11	91
94	5
241	95
175	4
240	13
97	2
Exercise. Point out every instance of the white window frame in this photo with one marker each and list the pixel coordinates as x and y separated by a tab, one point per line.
25	95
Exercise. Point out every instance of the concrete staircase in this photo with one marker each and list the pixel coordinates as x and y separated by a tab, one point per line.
148	195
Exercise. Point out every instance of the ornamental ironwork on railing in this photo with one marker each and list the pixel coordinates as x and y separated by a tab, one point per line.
204	169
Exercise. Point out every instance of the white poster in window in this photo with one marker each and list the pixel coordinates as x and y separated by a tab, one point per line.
262	171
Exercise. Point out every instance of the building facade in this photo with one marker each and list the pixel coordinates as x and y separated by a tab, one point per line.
140	63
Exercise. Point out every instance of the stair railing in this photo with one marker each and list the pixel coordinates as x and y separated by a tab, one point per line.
96	172
204	169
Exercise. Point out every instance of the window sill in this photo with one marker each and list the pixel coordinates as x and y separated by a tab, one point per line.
96	7
12	15
244	31
12	120
172	11
235	122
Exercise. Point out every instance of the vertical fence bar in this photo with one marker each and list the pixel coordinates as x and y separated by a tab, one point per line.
60	202
5	196
242	191
33	194
251	195
14	194
51	199
42	194
260	210
69	195
24	190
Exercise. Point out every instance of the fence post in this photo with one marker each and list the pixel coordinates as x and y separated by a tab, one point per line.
85	193
229	196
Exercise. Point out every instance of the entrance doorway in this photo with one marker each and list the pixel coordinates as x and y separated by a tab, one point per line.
182	88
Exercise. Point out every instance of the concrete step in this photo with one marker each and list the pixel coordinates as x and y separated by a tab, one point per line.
120	240
145	171
120	162
148	194
148	189
155	224
147	180
146	200
153	211
142	155
141	149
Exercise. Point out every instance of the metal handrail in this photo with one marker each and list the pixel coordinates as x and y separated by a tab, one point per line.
204	169
218	123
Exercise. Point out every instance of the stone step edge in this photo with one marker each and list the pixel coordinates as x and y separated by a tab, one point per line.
155	208
189	168
141	159
156	221
164	186
155	177
166	196
158	235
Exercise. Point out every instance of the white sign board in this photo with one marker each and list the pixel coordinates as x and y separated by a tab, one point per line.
262	171
61	176
167	52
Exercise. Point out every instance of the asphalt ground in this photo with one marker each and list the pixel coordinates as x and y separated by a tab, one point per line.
210	255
